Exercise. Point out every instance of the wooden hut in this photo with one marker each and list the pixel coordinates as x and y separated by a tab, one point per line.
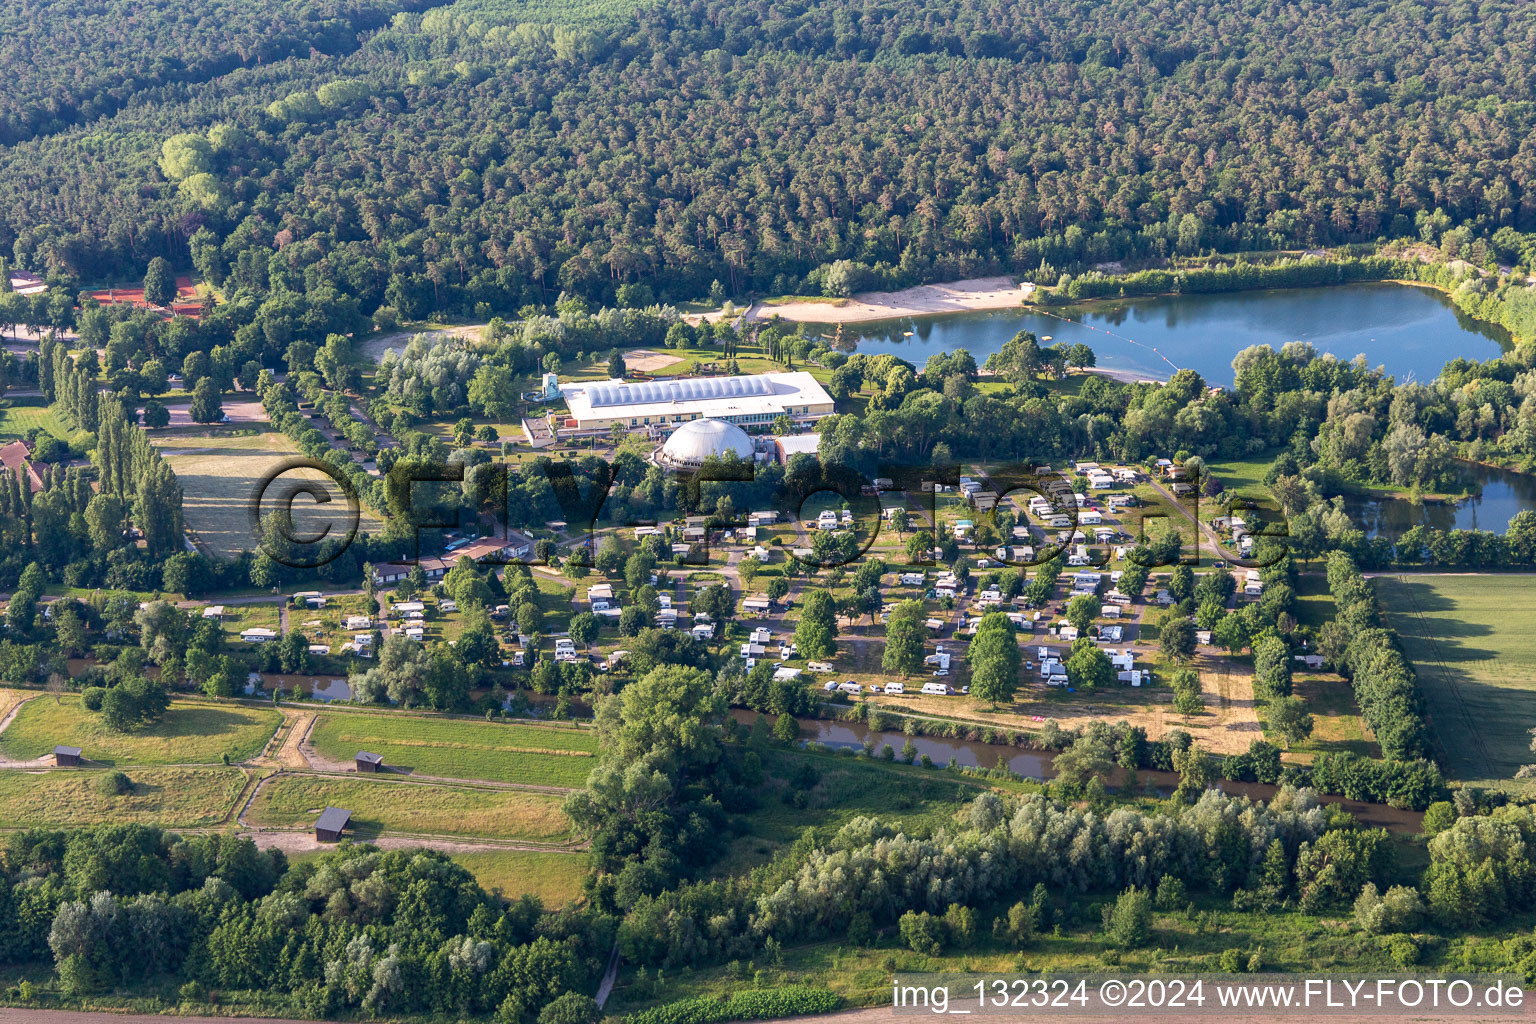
331	824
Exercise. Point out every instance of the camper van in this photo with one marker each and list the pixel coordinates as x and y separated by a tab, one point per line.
895	688
936	689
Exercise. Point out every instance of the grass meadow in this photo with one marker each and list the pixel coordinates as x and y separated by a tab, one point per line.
462	748
190	733
555	878
222	476
1470	638
172	797
382	805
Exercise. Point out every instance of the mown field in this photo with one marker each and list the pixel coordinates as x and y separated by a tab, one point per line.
462	748
1470	638
172	797
19	415
1336	723
222	476
555	878
190	733
381	805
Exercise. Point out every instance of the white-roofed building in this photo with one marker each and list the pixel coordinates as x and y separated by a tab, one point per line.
790	445
696	442
747	401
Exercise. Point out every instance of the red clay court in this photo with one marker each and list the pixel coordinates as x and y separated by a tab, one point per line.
187	302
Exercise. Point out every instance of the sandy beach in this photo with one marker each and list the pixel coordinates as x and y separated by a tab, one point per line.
925	300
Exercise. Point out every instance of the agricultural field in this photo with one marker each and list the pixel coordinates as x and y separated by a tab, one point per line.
461	748
381	805
190	733
1470	639
222	477
170	797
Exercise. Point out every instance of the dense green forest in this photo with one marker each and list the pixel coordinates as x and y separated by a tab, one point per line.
484	155
75	62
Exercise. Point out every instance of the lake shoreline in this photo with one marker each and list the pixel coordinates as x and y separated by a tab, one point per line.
1407	332
989	294
973	295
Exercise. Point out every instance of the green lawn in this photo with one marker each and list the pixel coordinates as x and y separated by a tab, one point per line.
382	805
555	878
1336	723
190	733
462	748
1314	603
1470	638
1244	477
19	415
824	791
171	797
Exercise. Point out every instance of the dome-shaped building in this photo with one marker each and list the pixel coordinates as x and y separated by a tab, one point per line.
697	441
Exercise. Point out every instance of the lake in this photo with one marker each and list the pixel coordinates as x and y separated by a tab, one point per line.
1411	331
1503	493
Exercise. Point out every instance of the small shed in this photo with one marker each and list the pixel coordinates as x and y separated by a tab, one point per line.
331	823
66	757
368	762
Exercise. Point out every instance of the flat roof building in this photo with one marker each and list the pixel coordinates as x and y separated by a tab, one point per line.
755	400
66	757
790	445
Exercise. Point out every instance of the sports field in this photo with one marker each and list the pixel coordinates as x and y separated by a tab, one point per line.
190	733
225	479
171	797
1471	640
462	748
382	805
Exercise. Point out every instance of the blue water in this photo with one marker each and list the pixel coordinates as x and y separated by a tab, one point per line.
1409	331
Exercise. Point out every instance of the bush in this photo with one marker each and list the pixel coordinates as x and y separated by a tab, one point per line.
922	932
1129	922
754	1004
92	696
571	1008
1171	894
114	783
1396	910
1403	950
1438	817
